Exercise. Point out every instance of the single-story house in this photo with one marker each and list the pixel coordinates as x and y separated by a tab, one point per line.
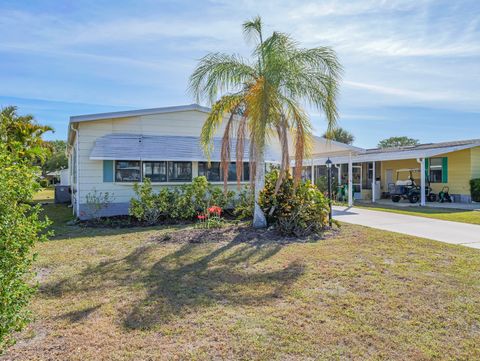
370	172
109	152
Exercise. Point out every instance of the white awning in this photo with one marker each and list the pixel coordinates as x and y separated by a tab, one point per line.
164	147
389	155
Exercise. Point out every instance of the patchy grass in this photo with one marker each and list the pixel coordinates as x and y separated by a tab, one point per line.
446	214
45	195
363	294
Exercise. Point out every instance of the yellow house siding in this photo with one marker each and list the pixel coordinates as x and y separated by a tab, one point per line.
475	162
395	165
462	166
459	172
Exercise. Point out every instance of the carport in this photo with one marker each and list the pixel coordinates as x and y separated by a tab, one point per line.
418	153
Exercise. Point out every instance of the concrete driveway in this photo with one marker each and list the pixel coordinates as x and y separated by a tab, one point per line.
439	230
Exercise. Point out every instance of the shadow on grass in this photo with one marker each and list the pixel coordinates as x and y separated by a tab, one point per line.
192	277
77	316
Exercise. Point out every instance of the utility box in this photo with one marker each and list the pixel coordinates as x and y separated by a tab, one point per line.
62	194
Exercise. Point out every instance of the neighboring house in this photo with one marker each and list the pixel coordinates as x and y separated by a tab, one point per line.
447	164
109	152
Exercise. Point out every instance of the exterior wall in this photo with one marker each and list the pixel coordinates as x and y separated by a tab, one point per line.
459	173
188	123
461	167
395	165
475	162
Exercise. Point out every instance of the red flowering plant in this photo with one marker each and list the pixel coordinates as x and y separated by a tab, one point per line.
211	218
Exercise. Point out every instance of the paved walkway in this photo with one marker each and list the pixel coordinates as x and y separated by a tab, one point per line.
439	230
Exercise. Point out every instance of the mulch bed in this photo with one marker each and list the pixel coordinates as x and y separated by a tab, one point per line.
240	233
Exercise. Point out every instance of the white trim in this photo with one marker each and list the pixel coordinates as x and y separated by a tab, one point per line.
397	155
138	112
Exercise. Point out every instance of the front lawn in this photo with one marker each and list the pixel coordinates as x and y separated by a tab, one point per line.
132	294
446	214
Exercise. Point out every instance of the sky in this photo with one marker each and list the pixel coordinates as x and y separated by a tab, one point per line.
411	67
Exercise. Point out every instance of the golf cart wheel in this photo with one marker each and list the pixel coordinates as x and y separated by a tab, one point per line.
432	197
396	199
413	198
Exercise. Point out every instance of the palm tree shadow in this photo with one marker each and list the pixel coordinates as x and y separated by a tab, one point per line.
181	282
195	276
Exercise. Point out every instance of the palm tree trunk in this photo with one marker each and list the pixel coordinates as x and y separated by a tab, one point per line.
259	220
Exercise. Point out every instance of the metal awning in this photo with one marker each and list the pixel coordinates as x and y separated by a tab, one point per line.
389	155
163	147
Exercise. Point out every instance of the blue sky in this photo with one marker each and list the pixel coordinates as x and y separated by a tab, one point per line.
412	67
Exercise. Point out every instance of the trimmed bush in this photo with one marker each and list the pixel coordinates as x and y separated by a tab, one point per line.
475	189
294	211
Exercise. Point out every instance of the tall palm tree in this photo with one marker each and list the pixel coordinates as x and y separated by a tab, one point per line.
263	98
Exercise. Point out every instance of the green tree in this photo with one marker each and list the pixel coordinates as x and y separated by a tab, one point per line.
263	98
22	134
21	147
57	159
395	142
20	229
340	135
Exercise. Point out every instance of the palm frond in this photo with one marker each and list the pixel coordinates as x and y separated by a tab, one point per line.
219	73
224	106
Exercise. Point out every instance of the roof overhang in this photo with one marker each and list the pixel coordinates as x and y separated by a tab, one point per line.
385	156
138	112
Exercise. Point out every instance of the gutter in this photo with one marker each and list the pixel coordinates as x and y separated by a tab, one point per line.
77	188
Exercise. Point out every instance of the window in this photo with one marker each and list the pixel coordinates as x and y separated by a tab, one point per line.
436	170
127	171
156	171
215	172
179	171
212	173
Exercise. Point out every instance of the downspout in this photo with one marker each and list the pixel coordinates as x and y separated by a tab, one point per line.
77	189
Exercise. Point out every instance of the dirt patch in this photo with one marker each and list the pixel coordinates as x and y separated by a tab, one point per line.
236	233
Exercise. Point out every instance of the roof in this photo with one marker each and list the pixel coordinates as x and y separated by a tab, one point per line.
455	143
138	112
162	147
411	152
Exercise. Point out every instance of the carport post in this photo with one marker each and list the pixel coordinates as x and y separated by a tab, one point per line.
422	180
373	182
350	182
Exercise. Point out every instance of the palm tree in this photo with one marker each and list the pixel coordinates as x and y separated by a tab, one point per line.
340	135
263	98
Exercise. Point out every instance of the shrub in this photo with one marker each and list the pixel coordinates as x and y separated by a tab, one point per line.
294	211
475	189
181	203
96	202
244	204
20	229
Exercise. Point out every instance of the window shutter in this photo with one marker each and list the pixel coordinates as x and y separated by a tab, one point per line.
108	170
445	170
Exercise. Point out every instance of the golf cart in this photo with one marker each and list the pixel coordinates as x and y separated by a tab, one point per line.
408	189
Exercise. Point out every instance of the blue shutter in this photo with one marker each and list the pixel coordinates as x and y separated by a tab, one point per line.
445	170
108	170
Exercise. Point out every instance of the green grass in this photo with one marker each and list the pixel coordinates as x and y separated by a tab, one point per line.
116	294
44	195
446	214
